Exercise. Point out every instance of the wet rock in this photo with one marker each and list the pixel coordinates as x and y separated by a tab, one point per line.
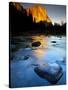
36	44
53	41
26	57
52	73
35	64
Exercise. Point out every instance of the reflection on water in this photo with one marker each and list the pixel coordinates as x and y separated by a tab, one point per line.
25	58
39	53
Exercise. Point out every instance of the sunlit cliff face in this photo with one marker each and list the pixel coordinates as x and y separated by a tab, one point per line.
38	13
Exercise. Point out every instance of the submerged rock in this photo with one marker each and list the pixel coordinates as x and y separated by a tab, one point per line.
36	44
51	72
26	57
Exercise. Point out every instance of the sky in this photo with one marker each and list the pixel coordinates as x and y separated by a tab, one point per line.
57	13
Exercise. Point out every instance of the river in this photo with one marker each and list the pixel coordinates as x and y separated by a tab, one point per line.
24	58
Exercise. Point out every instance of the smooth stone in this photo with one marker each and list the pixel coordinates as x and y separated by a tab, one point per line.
36	44
52	73
53	41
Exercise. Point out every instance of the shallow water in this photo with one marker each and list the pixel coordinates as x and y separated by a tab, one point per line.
25	59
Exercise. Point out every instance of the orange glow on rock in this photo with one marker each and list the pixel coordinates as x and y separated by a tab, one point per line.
38	13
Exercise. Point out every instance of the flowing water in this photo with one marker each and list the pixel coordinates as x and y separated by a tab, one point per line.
24	58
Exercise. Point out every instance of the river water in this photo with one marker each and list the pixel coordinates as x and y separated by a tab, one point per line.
24	58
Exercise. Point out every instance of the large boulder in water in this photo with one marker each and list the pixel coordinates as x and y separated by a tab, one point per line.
36	44
52	72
